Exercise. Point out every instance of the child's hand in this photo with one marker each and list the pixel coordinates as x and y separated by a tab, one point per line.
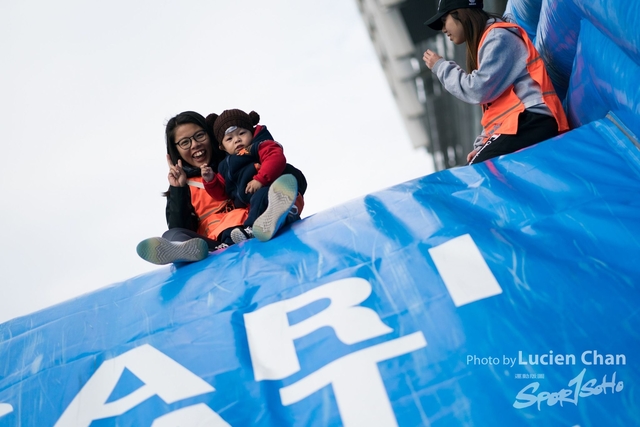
253	186
177	176
430	58
207	173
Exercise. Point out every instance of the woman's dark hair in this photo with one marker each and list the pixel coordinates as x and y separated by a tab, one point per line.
474	22
197	119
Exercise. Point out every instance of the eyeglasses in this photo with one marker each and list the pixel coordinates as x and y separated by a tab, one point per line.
185	143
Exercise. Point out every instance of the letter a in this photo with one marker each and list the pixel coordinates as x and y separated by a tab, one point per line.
162	376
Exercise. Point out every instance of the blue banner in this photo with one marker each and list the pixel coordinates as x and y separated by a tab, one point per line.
500	294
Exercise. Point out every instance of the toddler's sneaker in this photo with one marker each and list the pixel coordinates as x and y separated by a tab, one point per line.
293	215
158	250
240	234
282	195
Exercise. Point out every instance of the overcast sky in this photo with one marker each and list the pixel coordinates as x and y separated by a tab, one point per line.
86	88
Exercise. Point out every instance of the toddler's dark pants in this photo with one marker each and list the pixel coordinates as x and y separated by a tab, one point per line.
184	234
257	205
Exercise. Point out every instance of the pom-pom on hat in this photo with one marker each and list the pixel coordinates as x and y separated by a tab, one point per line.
229	118
446	6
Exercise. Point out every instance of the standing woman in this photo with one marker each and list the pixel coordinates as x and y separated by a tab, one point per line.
505	74
198	222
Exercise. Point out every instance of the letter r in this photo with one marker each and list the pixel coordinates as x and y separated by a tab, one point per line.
271	337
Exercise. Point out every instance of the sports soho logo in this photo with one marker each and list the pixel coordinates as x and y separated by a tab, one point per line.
577	389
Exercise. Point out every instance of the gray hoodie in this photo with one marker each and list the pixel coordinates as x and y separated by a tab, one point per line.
503	62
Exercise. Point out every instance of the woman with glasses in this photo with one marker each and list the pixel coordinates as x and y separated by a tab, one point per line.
198	222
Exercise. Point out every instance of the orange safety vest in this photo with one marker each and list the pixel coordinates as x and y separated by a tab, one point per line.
214	216
501	115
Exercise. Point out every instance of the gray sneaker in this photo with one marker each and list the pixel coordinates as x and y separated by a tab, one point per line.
158	250
240	234
282	195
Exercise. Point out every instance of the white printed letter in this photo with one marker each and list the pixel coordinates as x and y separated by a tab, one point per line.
464	271
162	376
5	409
360	393
270	336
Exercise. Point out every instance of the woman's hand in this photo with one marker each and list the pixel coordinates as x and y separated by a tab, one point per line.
253	186
207	173
430	58
471	155
177	176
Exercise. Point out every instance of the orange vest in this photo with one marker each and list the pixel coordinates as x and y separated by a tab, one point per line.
501	115
214	216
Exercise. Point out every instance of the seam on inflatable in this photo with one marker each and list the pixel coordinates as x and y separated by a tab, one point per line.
625	130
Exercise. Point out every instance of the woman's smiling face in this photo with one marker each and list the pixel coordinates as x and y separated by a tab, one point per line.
197	153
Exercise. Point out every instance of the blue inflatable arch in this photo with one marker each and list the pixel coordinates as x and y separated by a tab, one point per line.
503	294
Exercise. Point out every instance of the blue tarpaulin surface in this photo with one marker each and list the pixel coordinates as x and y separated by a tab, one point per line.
501	294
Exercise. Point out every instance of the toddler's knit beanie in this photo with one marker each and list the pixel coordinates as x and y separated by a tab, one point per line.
229	118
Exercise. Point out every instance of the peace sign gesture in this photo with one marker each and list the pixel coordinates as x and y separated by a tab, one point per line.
177	176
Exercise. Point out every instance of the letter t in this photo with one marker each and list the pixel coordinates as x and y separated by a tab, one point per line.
360	393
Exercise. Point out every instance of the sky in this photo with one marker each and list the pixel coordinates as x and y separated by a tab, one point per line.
87	87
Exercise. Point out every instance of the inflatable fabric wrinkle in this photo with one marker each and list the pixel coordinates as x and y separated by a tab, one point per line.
512	259
490	165
251	261
522	178
621	140
478	204
537	228
284	291
436	196
581	93
617	21
171	289
394	228
342	218
584	202
302	313
584	238
613	118
526	13
617	136
29	344
439	184
432	402
77	307
451	339
359	256
396	233
603	80
402	203
551	187
556	41
390	275
211	276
